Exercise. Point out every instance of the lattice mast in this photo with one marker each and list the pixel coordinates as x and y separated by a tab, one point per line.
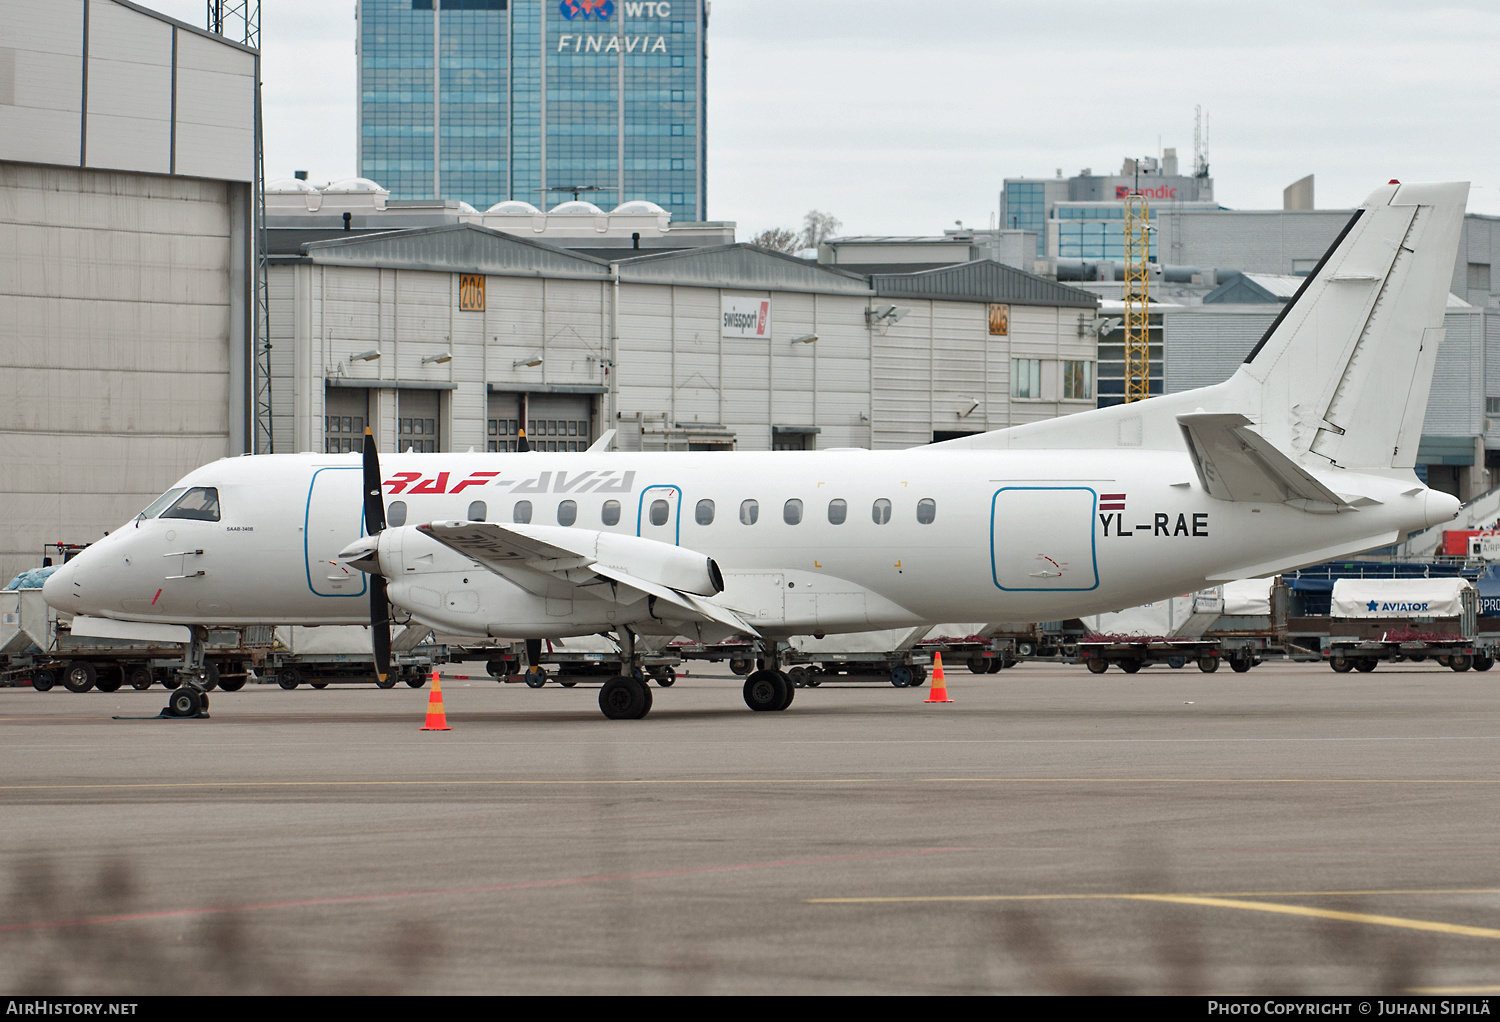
240	20
1137	228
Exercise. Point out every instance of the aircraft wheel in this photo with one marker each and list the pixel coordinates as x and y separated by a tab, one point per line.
1097	665
1461	662
1341	664
139	678
1364	665
624	698
1130	666
42	681
110	678
79	676
1242	664
791	691
767	690
1208	664
185	702
535	677
901	676
1483	663
289	678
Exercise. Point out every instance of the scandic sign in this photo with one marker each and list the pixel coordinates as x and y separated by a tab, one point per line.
1160	192
746	317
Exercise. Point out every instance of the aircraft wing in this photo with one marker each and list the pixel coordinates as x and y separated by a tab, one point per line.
1236	463
617	569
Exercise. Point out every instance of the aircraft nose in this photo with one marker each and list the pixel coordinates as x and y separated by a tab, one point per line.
60	586
1440	507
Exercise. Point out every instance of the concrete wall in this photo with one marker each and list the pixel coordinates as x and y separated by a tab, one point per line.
114	347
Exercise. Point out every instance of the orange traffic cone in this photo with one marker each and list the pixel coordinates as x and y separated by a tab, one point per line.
437	720
938	693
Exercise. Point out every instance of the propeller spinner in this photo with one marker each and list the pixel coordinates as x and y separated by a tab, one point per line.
380	608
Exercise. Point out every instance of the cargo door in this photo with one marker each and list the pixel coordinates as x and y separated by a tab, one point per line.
1042	539
335	518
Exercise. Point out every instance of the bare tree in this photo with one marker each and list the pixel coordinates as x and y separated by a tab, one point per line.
818	227
778	239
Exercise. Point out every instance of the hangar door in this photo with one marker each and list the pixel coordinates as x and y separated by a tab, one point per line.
1042	538
559	422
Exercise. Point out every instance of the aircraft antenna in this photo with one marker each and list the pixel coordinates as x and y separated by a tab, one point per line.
240	20
1137	228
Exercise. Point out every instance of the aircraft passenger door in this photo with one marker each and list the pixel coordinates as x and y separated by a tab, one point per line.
335	518
1042	539
657	514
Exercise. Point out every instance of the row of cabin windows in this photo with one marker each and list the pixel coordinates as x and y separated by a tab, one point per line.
660	512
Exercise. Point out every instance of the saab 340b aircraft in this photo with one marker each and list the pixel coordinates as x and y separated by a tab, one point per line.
1306	453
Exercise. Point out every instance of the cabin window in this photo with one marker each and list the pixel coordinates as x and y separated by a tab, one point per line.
838	510
567	512
659	511
396	513
200	504
610	513
522	513
704	513
478	512
926	511
791	512
749	512
881	512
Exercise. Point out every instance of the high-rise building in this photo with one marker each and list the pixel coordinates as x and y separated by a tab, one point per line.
621	116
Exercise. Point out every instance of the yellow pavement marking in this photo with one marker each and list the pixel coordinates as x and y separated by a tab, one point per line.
1211	901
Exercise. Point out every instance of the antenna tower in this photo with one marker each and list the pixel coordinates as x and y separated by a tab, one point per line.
240	20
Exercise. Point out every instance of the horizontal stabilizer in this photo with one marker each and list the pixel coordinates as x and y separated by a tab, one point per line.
1236	463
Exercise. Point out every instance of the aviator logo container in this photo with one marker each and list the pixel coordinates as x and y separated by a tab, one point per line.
601	9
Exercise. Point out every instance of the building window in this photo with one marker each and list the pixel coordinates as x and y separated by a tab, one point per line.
704	513
1026	378
610	513
677	95
749	512
838	511
1078	380
677	163
1492	406
503	434
678	198
926	511
522	513
880	512
678	61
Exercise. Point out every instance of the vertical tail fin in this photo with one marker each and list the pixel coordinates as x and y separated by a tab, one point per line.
1345	370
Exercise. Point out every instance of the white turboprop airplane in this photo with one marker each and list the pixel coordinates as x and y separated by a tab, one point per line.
1306	453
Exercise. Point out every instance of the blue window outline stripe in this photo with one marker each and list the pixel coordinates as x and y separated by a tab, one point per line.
307	554
1093	541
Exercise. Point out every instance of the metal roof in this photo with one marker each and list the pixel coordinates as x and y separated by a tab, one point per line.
982	280
743	266
456	248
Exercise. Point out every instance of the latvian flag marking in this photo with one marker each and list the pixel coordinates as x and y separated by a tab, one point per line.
1111	502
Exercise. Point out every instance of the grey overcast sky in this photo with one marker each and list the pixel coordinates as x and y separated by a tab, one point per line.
902	116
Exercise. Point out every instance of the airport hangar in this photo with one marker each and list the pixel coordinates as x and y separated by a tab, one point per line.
449	329
127	162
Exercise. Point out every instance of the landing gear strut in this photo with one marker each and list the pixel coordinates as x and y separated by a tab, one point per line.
626	697
769	688
190	697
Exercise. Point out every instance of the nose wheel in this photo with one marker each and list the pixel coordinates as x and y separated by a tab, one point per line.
187	701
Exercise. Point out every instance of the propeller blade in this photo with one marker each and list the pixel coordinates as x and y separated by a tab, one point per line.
380	626
374	495
523	444
380	607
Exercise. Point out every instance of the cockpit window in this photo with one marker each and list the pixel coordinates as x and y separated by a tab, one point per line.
164	501
201	503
